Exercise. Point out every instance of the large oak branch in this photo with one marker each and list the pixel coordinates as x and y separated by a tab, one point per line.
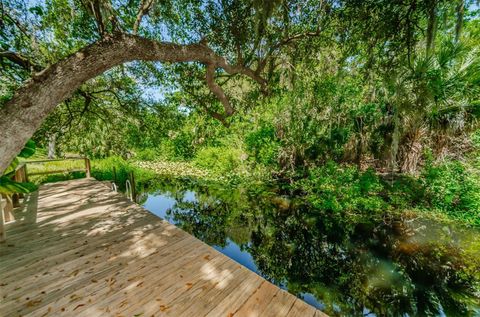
23	115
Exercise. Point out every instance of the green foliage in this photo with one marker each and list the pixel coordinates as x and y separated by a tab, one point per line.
148	154
404	192
182	145
453	188
263	145
340	189
221	160
103	169
450	189
7	185
28	150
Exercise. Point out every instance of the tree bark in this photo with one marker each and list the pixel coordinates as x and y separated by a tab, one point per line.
52	140
460	11
431	27
411	151
24	113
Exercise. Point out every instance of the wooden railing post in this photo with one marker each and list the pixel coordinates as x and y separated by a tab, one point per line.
7	208
134	191
15	200
87	167
3	233
114	175
25	173
18	178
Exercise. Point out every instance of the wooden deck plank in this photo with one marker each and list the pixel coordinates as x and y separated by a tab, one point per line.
208	299
259	300
160	283
172	289
78	249
73	277
230	305
280	306
108	289
77	256
301	309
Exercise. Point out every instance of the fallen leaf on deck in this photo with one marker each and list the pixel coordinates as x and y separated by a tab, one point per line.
163	307
33	302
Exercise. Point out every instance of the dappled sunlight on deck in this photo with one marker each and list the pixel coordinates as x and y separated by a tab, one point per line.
220	279
76	248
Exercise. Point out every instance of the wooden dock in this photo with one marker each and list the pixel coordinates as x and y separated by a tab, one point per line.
79	249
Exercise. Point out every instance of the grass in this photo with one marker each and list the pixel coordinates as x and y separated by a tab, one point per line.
45	167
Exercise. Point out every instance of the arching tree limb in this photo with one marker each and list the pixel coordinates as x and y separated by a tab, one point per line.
20	60
24	113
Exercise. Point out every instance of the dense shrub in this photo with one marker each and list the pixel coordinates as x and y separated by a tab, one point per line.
339	189
404	192
452	188
148	154
102	169
182	146
219	159
262	145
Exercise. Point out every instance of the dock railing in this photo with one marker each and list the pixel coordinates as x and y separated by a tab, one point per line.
21	174
86	169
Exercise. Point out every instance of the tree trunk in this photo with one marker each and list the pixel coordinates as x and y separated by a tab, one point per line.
23	115
395	142
52	140
431	27
412	150
460	10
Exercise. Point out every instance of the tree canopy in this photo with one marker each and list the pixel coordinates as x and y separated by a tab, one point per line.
372	79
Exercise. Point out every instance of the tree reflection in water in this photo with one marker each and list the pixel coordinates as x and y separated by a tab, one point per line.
352	266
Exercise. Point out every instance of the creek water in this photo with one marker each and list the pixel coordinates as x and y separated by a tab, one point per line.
344	265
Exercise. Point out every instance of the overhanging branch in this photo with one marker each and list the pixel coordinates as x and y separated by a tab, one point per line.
23	114
20	60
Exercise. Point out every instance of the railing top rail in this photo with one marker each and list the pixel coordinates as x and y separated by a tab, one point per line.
19	166
58	171
54	160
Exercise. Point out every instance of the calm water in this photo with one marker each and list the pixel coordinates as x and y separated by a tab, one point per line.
346	267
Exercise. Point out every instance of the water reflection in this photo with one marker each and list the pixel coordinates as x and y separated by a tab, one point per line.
402	266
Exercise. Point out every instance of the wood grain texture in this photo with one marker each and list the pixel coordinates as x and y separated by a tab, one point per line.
79	249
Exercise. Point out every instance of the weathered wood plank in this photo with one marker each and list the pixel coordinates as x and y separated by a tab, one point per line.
231	304
205	299
280	305
259	300
301	309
